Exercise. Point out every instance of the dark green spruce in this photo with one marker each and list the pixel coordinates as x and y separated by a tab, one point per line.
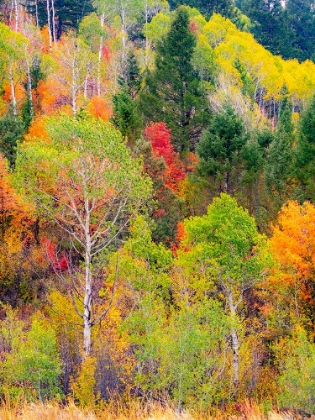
172	93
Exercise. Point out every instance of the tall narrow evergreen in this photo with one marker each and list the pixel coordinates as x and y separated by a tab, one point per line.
279	168
220	149
172	93
305	156
126	116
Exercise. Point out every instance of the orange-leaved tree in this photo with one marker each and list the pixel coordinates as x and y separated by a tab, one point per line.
293	247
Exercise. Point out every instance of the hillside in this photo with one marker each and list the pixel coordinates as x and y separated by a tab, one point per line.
157	211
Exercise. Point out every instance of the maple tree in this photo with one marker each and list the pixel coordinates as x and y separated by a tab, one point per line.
292	244
160	138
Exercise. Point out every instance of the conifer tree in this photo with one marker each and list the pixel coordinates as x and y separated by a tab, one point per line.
172	93
219	149
207	7
278	170
126	116
305	156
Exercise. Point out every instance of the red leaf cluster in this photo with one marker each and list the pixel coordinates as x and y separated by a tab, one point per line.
160	138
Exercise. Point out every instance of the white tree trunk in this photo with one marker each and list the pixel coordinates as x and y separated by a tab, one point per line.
49	25
16	8
88	284
13	97
74	89
123	38
29	88
99	64
36	13
146	33
235	342
54	37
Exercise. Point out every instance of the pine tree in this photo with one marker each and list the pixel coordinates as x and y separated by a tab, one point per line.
207	7
172	93
220	148
305	155
279	170
301	17
11	131
126	116
269	25
68	13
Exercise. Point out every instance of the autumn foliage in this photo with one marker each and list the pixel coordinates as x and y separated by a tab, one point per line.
160	138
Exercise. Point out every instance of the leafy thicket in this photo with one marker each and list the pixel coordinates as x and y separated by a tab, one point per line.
157	216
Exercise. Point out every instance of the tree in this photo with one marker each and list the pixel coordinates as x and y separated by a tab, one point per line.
305	153
172	93
296	357
11	131
32	365
293	246
206	7
60	15
87	183
125	114
279	167
220	149
160	138
228	250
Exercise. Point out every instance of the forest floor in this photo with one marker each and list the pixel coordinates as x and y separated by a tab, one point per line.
40	411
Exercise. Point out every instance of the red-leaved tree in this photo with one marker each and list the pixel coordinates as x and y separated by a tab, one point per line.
160	138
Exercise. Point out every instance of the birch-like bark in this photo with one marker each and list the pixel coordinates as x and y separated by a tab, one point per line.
36	13
13	97
16	8
49	25
99	64
235	342
123	37
29	88
88	286
54	37
74	89
146	15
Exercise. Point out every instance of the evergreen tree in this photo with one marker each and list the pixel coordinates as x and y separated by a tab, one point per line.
278	170
68	13
301	17
305	156
172	93
269	24
219	149
207	7
11	131
126	117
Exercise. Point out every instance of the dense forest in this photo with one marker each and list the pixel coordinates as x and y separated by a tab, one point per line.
157	202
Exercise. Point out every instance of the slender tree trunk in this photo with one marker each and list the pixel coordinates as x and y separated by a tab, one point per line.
36	13
99	64
49	25
29	89
13	97
74	89
86	83
123	39
53	21
146	34
16	8
235	343
88	288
